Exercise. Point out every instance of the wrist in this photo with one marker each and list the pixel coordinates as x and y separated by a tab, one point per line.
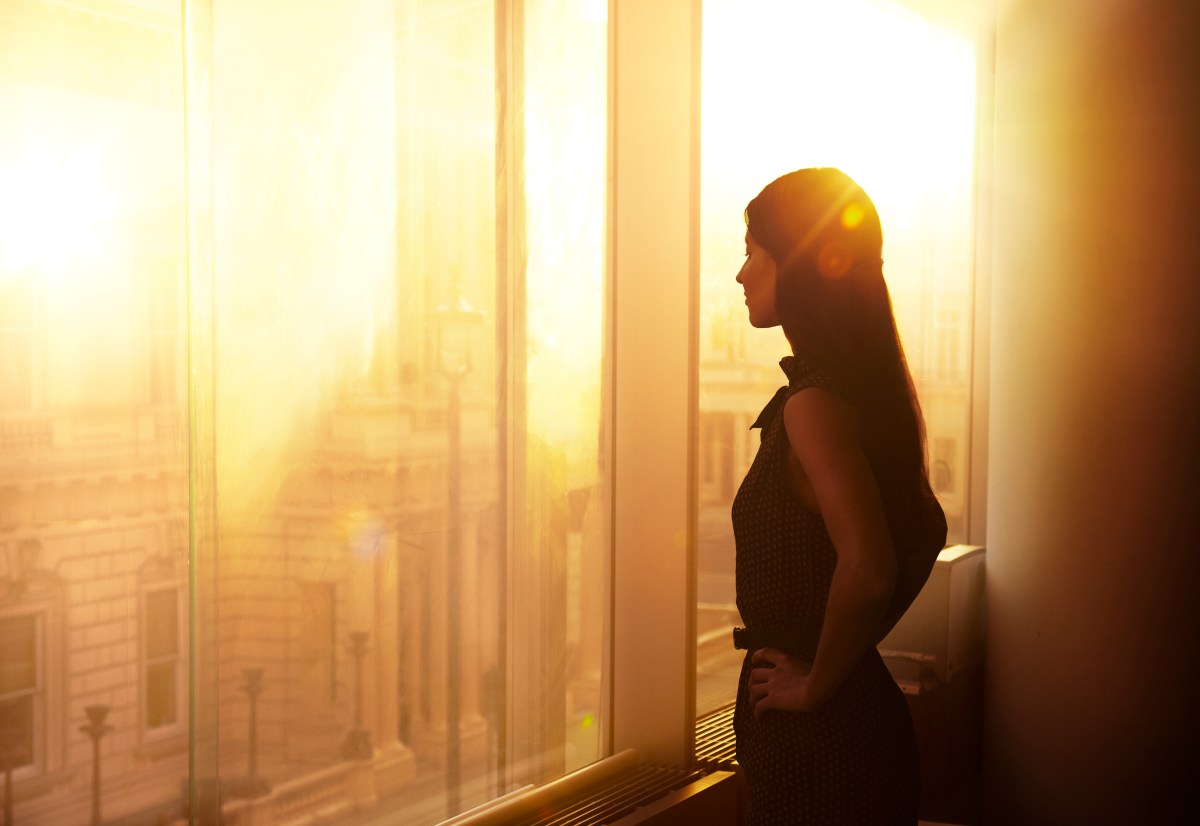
816	692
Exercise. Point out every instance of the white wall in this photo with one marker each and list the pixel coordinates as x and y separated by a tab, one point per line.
1093	542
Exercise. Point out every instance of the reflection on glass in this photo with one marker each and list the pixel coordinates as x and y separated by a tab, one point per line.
381	593
873	89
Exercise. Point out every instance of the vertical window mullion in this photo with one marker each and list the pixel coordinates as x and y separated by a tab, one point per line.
654	92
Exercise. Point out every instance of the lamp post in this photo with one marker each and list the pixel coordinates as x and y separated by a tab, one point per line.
357	745
253	687
453	321
96	729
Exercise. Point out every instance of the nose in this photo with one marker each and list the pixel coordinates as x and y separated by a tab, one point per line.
741	270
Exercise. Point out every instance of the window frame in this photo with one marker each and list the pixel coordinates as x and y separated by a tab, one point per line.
33	591
157	582
37	692
654	89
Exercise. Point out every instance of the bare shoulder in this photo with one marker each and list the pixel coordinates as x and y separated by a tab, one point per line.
825	436
820	422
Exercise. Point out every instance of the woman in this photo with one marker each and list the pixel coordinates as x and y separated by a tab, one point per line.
835	524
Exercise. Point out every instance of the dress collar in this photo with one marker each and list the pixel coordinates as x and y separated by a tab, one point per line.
791	369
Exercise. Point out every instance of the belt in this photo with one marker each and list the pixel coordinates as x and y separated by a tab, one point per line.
751	639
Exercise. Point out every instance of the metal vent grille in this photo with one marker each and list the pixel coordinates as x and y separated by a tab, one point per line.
622	795
715	746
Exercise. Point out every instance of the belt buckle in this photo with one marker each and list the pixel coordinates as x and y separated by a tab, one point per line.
740	640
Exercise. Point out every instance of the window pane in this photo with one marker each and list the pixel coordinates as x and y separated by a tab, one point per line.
406	394
871	88
16	732
160	695
318	642
565	101
18	654
382	252
93	458
162	625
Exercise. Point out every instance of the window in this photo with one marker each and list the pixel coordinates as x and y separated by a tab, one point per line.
31	672
22	691
889	97
162	660
318	643
404	264
433	316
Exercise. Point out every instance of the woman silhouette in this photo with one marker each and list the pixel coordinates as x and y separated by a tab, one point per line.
835	523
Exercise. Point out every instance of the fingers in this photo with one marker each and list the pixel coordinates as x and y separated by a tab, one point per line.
760	675
764	702
761	684
759	708
768	655
759	694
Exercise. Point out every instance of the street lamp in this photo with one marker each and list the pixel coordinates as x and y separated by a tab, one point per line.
454	322
357	745
252	688
96	729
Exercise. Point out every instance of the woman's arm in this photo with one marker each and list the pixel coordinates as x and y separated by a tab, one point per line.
824	434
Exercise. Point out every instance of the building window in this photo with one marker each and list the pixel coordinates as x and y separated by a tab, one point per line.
21	691
318	642
162	660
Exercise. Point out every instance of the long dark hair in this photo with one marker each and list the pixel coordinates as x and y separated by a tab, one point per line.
831	299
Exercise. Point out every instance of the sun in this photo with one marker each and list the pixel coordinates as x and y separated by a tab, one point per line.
55	206
863	85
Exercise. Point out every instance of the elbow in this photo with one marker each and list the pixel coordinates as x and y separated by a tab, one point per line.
871	582
869	569
877	581
880	585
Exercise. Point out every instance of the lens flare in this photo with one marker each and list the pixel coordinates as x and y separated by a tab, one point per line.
834	260
363	533
852	215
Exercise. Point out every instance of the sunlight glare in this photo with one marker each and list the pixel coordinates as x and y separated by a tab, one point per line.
865	86
54	208
565	146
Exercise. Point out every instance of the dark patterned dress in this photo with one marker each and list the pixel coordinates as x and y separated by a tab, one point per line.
854	759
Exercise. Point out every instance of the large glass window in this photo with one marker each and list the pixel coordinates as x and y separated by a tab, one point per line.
308	295
306	299
874	89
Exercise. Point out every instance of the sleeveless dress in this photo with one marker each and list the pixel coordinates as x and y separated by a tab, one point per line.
854	759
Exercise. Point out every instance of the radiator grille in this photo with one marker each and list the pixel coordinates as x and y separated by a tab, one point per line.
715	746
625	793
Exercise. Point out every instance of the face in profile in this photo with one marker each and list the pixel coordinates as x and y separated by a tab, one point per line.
757	277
